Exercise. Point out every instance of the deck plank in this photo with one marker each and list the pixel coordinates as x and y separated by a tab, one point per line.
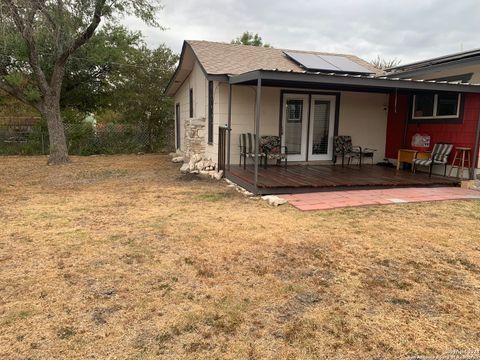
325	176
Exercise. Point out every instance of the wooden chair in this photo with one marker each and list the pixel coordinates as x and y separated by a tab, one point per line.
247	148
438	156
271	146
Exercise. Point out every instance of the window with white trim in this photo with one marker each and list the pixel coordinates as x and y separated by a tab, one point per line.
436	106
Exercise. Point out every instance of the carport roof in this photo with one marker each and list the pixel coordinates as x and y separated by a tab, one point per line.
360	82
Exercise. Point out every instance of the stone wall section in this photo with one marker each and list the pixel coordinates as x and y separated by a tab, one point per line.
195	137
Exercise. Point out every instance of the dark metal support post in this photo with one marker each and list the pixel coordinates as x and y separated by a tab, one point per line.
229	125
475	151
257	126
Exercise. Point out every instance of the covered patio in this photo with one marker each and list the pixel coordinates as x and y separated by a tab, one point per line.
309	175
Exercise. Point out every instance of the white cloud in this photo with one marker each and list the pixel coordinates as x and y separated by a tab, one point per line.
409	29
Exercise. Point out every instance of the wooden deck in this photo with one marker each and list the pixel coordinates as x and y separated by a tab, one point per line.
303	178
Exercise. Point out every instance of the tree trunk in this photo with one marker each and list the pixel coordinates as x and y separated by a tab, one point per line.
56	133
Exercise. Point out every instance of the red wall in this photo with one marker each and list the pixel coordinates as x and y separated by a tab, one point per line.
457	134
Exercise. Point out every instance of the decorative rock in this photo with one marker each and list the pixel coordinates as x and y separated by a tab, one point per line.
191	165
185	167
200	165
471	184
177	159
274	200
196	157
218	175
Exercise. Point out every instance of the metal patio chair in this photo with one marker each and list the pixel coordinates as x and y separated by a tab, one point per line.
247	148
271	146
438	156
345	149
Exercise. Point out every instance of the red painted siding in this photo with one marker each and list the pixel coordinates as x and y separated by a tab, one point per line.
395	124
457	134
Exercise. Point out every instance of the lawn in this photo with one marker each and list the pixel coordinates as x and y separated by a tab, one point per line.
121	257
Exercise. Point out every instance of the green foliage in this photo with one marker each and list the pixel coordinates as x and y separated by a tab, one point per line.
113	74
139	91
72	115
9	106
249	38
93	74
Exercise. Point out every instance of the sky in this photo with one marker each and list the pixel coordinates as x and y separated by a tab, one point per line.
408	30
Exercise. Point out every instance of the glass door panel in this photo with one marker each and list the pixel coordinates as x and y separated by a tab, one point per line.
322	122
294	126
320	127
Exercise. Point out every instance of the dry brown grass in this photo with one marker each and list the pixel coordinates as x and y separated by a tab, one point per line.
121	257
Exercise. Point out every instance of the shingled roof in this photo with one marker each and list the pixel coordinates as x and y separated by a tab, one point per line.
234	59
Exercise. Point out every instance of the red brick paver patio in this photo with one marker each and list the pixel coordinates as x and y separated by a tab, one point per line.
340	199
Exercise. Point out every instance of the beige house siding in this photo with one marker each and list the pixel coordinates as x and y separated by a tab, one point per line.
198	82
363	116
243	114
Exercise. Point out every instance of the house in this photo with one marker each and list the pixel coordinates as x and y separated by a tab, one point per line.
307	98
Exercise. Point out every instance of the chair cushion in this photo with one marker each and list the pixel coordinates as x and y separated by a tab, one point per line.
343	144
441	152
352	154
247	143
271	145
422	162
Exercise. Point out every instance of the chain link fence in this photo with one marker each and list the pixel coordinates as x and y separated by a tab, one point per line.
83	139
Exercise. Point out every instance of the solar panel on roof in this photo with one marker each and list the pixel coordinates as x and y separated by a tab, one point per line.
345	64
311	61
333	63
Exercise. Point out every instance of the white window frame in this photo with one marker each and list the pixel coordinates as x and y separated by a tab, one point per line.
435	104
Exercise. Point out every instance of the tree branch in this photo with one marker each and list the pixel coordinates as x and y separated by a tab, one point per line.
86	34
25	28
18	94
59	68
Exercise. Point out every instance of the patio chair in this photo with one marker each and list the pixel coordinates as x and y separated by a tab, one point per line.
345	149
247	148
438	156
271	146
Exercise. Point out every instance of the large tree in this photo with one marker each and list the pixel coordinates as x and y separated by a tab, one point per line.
249	38
39	37
94	74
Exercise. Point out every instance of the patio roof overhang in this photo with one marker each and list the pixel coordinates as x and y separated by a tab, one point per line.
348	82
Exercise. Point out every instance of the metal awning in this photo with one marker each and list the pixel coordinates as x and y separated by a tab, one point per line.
347	82
262	78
